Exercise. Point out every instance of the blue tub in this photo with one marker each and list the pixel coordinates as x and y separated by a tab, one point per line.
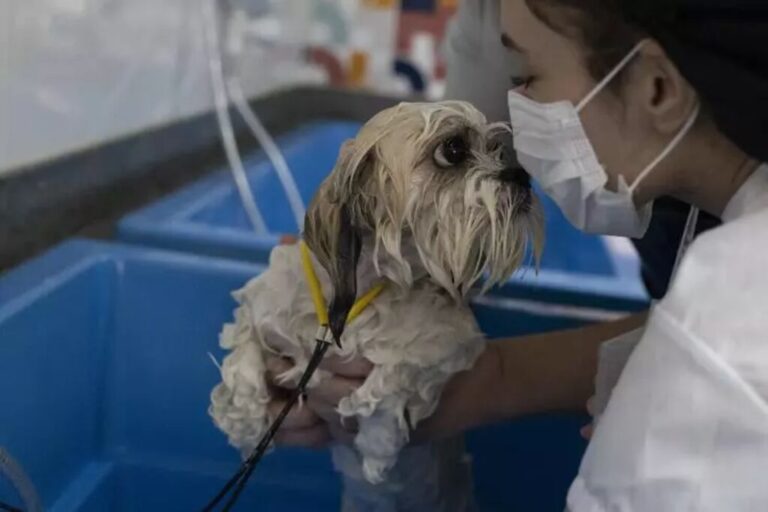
207	218
105	378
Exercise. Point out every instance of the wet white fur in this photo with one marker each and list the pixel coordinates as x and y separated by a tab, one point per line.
430	238
415	341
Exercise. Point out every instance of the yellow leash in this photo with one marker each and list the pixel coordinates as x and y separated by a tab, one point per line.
321	309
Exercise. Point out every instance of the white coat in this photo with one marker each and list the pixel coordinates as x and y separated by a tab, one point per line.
686	428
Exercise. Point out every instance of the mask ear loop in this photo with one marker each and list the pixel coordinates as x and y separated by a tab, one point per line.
689	234
670	147
609	78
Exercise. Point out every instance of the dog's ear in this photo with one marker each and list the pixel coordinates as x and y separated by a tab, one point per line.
333	229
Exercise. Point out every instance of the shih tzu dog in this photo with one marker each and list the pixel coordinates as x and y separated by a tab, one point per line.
426	200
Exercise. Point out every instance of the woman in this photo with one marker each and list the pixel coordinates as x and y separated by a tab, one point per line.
620	103
475	61
687	425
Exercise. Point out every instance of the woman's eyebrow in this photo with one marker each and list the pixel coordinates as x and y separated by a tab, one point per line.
510	44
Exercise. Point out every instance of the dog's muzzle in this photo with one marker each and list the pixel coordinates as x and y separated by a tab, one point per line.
516	176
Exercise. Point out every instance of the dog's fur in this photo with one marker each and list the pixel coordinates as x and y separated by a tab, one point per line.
389	212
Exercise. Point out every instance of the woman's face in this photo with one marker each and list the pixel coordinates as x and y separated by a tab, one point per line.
555	69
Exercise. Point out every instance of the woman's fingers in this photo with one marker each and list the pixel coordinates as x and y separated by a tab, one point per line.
328	413
591	406
302	427
333	390
317	421
330	391
588	430
340	435
357	368
276	366
299	417
315	437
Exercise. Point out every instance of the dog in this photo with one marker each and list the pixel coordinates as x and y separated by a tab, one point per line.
426	200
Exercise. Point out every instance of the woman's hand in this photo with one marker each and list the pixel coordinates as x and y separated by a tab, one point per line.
316	423
588	430
301	427
516	377
469	400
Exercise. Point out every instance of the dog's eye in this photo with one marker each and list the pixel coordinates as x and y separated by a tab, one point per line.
452	152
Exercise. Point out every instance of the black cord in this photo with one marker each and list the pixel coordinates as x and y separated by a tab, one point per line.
240	478
9	508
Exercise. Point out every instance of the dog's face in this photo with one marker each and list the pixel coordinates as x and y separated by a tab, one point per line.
432	180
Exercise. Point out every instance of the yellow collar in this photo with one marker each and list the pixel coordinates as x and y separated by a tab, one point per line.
316	290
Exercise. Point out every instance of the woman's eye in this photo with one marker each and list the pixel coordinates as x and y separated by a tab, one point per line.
521	82
452	152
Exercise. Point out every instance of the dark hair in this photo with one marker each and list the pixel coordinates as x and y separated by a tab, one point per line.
599	25
719	46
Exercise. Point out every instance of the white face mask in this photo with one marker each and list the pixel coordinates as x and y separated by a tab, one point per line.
553	147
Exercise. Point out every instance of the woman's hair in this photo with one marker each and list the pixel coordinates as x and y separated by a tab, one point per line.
719	46
599	25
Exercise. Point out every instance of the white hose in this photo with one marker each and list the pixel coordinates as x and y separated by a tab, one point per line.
225	122
273	152
11	470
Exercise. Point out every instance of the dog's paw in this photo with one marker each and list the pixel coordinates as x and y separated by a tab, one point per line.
243	417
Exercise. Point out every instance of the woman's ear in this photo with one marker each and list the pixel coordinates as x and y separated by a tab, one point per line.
662	93
333	231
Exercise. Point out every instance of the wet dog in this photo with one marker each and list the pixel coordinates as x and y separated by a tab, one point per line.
423	199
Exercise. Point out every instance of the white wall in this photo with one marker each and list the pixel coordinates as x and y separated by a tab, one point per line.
77	72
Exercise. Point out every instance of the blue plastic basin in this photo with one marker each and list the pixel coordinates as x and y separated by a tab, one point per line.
105	378
207	218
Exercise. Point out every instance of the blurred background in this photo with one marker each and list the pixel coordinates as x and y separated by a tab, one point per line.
74	73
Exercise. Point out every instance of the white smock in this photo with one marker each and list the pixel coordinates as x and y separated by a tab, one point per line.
686	428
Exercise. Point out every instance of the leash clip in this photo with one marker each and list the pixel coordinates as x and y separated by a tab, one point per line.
324	335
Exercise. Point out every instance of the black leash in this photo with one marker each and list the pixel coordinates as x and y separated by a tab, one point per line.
240	478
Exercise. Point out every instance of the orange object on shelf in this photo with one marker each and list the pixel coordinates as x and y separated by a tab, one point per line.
449	4
357	73
381	4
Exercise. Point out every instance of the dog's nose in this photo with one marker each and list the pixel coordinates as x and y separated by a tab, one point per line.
515	175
